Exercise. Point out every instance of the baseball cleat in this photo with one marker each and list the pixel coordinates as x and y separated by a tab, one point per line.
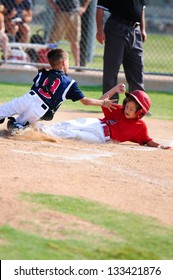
20	131
14	127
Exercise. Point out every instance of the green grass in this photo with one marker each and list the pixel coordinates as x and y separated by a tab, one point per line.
161	101
128	236
10	90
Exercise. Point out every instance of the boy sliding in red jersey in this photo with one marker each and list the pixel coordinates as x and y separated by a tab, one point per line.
121	124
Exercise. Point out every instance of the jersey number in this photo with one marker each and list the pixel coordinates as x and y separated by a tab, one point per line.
53	88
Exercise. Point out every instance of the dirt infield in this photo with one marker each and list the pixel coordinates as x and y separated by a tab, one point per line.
126	176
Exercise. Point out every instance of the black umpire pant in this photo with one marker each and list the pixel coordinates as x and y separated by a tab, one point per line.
123	45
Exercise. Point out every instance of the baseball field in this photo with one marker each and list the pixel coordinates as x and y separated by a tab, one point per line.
66	199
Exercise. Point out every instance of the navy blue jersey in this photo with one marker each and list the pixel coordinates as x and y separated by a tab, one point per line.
124	9
62	88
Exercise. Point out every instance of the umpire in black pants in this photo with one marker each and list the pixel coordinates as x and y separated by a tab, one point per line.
123	34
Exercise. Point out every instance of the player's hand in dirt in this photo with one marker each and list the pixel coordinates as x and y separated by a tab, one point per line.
164	147
154	144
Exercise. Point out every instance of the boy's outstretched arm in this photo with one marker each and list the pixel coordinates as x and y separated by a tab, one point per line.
104	100
157	145
120	88
109	104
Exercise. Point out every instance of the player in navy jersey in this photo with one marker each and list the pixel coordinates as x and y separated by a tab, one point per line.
49	90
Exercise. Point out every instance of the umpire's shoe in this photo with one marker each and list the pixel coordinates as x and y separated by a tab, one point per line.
1	121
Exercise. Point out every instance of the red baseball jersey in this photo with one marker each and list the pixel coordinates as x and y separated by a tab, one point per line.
123	129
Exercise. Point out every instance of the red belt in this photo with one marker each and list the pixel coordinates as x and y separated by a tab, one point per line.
106	131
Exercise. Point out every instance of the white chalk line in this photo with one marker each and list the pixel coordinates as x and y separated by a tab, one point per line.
133	173
93	157
142	177
78	157
141	148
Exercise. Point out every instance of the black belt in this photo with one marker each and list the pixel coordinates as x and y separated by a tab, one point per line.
31	92
126	22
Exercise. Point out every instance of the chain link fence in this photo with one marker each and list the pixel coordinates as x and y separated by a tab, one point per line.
45	30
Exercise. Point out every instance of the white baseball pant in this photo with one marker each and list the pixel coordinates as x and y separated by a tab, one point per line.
87	129
28	108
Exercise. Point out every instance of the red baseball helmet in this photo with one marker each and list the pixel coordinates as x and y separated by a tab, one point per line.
143	100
